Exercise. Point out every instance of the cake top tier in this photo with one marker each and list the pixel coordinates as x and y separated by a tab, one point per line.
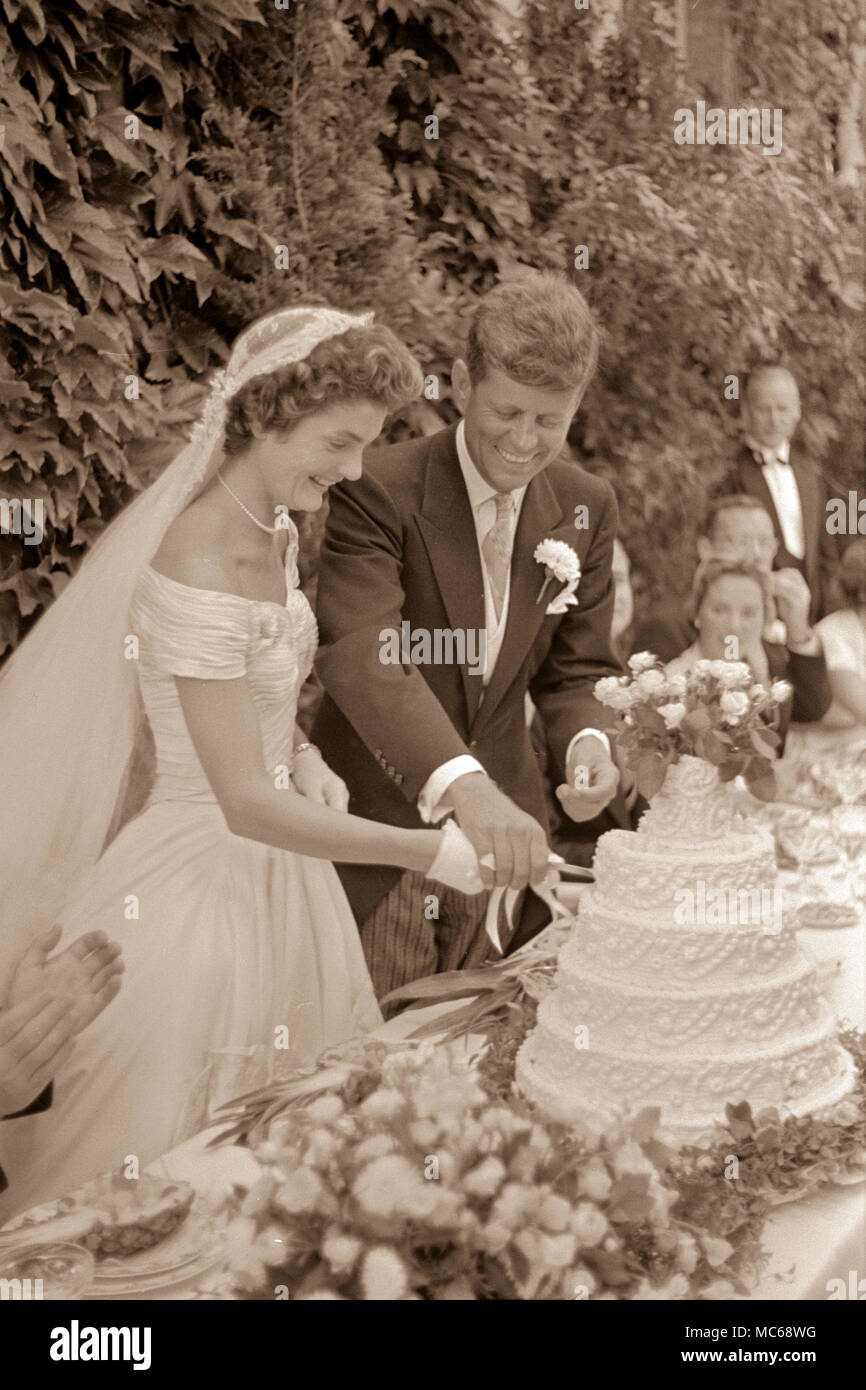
694	806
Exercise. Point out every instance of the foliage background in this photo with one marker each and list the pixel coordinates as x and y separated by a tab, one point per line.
304	127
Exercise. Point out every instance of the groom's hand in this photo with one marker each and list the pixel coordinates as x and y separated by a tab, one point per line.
596	784
496	826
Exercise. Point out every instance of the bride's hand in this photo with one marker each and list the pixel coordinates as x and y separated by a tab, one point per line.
456	863
312	777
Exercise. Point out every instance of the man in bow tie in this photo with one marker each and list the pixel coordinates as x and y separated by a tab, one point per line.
440	533
791	487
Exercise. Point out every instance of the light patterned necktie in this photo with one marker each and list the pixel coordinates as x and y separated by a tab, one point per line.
496	549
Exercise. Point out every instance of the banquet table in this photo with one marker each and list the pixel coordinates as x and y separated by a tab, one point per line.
811	1241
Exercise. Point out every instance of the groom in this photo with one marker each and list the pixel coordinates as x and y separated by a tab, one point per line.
432	632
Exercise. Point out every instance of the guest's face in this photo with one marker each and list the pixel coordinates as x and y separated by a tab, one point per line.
733	606
298	465
746	531
771	408
512	431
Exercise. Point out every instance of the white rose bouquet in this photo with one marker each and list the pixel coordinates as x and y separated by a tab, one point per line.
715	712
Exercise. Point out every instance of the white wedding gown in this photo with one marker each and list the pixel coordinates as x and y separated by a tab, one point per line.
226	941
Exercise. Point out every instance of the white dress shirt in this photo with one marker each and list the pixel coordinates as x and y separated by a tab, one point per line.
432	801
780	479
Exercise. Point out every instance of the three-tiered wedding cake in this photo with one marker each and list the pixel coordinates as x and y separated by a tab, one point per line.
682	984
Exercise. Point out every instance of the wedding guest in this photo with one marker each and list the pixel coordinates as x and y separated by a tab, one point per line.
791	486
44	1003
736	525
730	603
843	637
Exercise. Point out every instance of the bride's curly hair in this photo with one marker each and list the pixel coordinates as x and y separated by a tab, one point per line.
367	363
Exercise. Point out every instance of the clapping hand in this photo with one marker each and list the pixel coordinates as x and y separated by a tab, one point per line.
86	975
35	1036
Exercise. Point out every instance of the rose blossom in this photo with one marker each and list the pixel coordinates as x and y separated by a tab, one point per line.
594	1180
641	661
484	1180
340	1250
620	699
673	715
734	673
650	682
588	1224
300	1192
605	687
734	702
383	1275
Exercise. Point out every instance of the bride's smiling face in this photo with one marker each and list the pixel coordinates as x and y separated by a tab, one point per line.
296	467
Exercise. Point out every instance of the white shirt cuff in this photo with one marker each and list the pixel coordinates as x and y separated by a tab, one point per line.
586	733
432	803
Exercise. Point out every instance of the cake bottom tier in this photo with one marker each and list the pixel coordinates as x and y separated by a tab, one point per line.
602	1086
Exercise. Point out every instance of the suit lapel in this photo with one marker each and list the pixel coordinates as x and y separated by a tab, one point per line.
755	483
448	531
539	515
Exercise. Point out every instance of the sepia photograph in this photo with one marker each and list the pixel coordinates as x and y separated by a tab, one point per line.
433	666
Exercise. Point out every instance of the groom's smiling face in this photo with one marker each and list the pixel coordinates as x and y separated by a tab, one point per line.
513	431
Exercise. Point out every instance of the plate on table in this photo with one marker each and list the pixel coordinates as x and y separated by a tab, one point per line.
194	1248
142	1232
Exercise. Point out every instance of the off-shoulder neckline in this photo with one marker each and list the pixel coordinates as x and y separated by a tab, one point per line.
225	593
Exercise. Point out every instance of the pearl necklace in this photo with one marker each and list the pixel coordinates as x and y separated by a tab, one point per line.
271	530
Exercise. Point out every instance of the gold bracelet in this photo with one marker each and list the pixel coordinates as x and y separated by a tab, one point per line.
303	747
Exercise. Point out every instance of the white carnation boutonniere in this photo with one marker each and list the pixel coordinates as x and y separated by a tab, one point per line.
561	563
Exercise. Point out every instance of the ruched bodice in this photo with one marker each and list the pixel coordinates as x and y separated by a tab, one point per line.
185	631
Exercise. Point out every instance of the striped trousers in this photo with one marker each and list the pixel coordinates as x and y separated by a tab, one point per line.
423	928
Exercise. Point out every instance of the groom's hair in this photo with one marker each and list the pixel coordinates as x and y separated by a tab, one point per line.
539	329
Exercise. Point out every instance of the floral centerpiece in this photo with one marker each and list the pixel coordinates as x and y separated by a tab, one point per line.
406	1173
404	1178
715	711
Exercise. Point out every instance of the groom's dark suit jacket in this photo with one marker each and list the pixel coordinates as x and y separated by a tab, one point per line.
401	545
822	550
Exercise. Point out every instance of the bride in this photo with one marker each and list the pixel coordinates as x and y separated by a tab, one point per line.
185	632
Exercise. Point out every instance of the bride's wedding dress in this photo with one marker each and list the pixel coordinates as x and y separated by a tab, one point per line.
232	948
